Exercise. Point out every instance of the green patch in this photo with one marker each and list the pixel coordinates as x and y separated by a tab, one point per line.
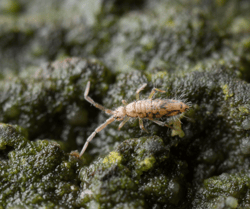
113	157
177	131
226	92
30	167
147	163
244	109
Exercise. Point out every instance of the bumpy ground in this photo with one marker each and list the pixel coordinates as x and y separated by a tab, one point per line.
49	50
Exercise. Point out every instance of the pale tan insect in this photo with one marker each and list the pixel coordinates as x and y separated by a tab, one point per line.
141	109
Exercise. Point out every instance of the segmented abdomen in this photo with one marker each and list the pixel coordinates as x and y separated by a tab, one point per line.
154	108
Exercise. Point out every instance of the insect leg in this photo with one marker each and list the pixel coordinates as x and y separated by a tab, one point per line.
98	129
141	125
160	123
108	111
153	92
123	122
139	90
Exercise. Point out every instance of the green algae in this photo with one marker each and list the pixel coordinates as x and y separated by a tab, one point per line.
198	49
35	173
54	93
165	34
112	158
150	171
143	160
177	131
226	92
228	190
147	163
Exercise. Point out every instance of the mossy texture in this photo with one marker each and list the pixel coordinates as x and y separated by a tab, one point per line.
198	51
37	173
51	99
134	176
